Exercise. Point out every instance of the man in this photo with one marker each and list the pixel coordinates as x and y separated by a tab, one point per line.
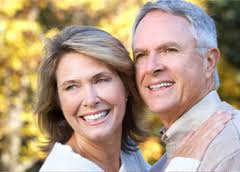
176	54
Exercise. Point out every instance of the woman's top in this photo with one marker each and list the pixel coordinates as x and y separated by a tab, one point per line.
63	158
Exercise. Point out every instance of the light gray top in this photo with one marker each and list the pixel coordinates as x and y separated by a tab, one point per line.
63	158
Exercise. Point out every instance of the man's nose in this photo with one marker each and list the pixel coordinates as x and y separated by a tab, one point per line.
154	64
90	97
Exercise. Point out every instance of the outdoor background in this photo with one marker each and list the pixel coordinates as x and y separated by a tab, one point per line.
24	24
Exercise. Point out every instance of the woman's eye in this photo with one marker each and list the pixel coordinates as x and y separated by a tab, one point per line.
101	80
70	87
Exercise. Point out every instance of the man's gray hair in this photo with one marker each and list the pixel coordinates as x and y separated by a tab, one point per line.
203	26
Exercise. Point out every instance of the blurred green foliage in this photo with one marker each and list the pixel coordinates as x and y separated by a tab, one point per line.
227	17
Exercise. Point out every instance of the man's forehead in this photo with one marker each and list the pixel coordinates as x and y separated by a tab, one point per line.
159	27
157	16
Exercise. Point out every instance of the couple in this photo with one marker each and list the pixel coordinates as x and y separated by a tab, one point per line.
89	105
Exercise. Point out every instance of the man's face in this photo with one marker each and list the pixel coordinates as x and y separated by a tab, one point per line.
171	76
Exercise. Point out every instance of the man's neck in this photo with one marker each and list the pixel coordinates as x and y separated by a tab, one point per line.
170	116
190	120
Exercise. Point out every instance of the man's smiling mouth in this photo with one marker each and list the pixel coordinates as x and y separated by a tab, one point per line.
160	85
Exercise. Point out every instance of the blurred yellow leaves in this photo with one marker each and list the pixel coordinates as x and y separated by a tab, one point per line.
19	31
10	7
200	3
121	21
92	4
151	149
51	33
3	105
230	88
22	36
120	25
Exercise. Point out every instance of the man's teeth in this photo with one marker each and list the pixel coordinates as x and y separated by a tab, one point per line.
163	84
95	116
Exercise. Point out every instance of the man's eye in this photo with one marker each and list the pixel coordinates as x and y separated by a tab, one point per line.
139	55
170	50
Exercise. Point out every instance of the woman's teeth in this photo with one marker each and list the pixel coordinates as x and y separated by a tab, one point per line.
96	116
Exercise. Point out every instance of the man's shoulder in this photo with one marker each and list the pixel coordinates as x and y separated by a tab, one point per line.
233	127
225	145
231	132
236	120
229	137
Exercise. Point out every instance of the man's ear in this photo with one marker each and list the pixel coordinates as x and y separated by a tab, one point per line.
212	57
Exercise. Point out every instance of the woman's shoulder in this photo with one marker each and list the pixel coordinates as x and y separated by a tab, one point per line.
62	158
133	161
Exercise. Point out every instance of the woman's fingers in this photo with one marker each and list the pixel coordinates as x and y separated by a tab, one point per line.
218	118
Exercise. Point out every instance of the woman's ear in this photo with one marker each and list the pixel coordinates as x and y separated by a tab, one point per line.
212	57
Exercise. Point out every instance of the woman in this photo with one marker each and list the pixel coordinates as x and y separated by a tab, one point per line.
88	105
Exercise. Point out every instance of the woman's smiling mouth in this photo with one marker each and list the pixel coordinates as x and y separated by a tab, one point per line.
95	116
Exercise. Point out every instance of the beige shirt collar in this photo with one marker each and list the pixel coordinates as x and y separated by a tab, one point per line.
193	118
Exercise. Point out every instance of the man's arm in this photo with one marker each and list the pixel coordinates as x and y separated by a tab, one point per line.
230	163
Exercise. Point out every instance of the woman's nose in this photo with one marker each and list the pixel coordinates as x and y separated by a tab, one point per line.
90	98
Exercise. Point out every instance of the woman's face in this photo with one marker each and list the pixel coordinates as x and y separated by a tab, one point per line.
92	96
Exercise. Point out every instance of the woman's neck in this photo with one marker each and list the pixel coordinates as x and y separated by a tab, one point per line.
105	154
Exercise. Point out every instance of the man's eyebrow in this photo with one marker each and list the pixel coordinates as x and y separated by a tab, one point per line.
167	45
162	46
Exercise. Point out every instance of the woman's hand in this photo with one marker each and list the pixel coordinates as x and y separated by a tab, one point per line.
196	143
